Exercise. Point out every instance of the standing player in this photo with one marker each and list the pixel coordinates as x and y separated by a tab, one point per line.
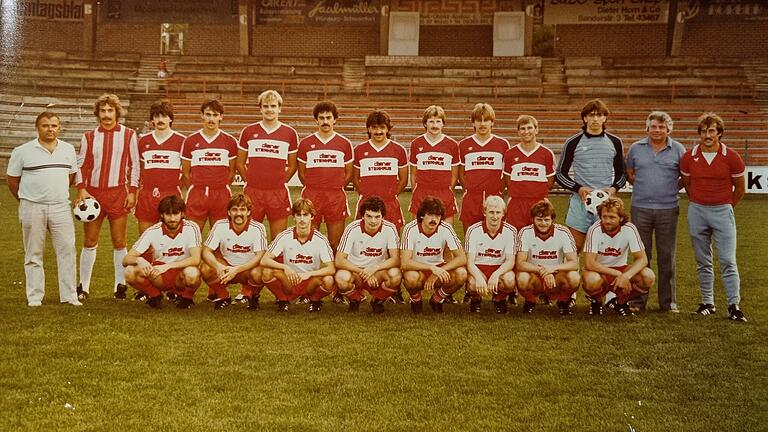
325	168
529	168
422	251
597	160
481	158
547	260
266	159
160	153
232	253
208	166
434	163
368	257
713	176
606	249
175	244
109	172
306	268
381	166
491	246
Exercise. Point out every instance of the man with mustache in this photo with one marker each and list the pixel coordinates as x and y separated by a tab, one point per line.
368	257
423	248
160	153
713	176
109	172
175	245
381	166
208	166
232	253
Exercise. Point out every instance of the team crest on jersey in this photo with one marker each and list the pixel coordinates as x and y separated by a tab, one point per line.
312	146
517	159
365	153
255	135
471	148
421	148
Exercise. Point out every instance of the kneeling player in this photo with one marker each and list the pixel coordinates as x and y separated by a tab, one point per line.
232	253
547	260
368	257
422	249
490	246
306	268
175	243
605	259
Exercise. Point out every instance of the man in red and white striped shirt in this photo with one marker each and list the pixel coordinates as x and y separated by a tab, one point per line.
109	172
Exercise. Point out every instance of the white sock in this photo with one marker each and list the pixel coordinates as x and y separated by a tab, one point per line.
87	260
117	261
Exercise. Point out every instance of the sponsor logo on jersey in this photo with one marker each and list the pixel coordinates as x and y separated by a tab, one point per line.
545	255
329	158
610	251
174	251
484	161
371	252
236	248
435	160
302	259
430	251
490	253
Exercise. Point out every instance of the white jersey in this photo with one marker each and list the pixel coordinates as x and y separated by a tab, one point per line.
491	251
169	249
364	249
429	249
548	250
612	250
237	248
302	257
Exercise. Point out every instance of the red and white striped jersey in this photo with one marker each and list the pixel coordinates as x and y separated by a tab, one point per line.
483	163
429	249
109	158
169	249
528	174
268	152
325	161
613	250
160	160
237	248
490	250
302	257
364	249
434	161
379	168
209	158
546	250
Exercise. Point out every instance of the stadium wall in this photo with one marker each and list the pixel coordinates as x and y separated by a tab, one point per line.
52	35
305	41
742	39
608	40
199	39
456	41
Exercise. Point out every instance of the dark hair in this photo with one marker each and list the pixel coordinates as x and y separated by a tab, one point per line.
303	205
161	107
372	203
213	105
171	204
46	115
240	199
325	106
708	119
592	106
109	99
379	117
543	208
431	205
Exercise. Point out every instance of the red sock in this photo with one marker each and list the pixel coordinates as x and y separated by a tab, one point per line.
219	289
319	293
246	290
439	295
415	297
500	296
529	296
355	295
383	292
276	288
189	293
147	288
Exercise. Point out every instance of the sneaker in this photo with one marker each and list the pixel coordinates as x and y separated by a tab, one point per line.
450	300
437	307
416	307
140	296
253	303
612	303
81	295
623	309
397	298
705	309
73	303
155	302
474	305
282	305
315	306
240	299
302	300
513	299
501	306
120	291
172	296
354	306
564	307
467	298
572	302
221	303
545	300
528	307
212	298
184	303
35	304
339	299
735	314
595	306
377	306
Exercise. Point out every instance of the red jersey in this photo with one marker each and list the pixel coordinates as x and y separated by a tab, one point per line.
434	161
324	161
711	182
268	152
160	160
209	158
379	168
483	163
108	158
528	174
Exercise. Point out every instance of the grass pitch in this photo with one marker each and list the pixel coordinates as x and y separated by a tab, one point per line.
121	366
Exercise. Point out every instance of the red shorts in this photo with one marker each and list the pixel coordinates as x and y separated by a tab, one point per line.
487	270
207	202
274	204
330	205
112	201
148	200
394	212
169	277
472	207
610	278
445	195
519	211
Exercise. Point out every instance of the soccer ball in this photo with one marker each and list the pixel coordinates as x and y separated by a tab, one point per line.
594	199
87	210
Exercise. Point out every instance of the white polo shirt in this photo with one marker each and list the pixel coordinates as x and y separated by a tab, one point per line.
302	257
490	250
613	250
169	249
44	175
363	249
428	249
549	249
237	248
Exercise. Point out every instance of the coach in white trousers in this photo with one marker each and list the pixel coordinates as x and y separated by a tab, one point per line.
39	175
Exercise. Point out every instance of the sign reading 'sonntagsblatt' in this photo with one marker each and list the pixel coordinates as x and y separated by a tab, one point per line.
605	11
